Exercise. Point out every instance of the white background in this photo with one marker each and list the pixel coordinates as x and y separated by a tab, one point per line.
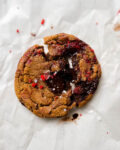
99	126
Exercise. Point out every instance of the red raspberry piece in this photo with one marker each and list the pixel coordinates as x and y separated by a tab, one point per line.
92	50
42	21
30	80
39	51
118	12
77	90
41	86
43	77
89	73
34	84
80	115
17	31
56	97
88	61
94	59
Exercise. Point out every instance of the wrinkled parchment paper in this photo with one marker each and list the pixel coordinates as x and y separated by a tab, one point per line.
93	22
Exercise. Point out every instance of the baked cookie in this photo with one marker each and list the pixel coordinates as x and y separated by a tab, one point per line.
50	82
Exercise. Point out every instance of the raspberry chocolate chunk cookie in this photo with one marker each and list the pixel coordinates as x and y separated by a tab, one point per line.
57	76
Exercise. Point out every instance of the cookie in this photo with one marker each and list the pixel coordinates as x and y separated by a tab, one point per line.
57	76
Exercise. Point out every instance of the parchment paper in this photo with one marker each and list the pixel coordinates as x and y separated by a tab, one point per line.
93	22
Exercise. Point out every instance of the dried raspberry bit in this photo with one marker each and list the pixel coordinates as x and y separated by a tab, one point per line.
88	61
87	75
77	90
43	77
30	80
34	84
88	72
17	31
55	74
42	21
47	76
29	61
41	86
94	59
10	51
92	50
52	76
118	12
73	45
89	79
56	97
80	115
39	51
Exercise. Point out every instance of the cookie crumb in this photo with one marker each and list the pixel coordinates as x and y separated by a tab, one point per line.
74	116
33	34
42	21
107	132
96	23
51	27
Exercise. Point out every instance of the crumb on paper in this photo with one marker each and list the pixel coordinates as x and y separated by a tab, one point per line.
97	23
10	51
107	132
33	34
117	27
51	27
116	22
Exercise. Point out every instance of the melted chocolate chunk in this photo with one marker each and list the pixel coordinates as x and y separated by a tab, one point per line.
61	81
85	89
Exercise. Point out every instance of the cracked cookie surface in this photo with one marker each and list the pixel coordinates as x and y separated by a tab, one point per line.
50	83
